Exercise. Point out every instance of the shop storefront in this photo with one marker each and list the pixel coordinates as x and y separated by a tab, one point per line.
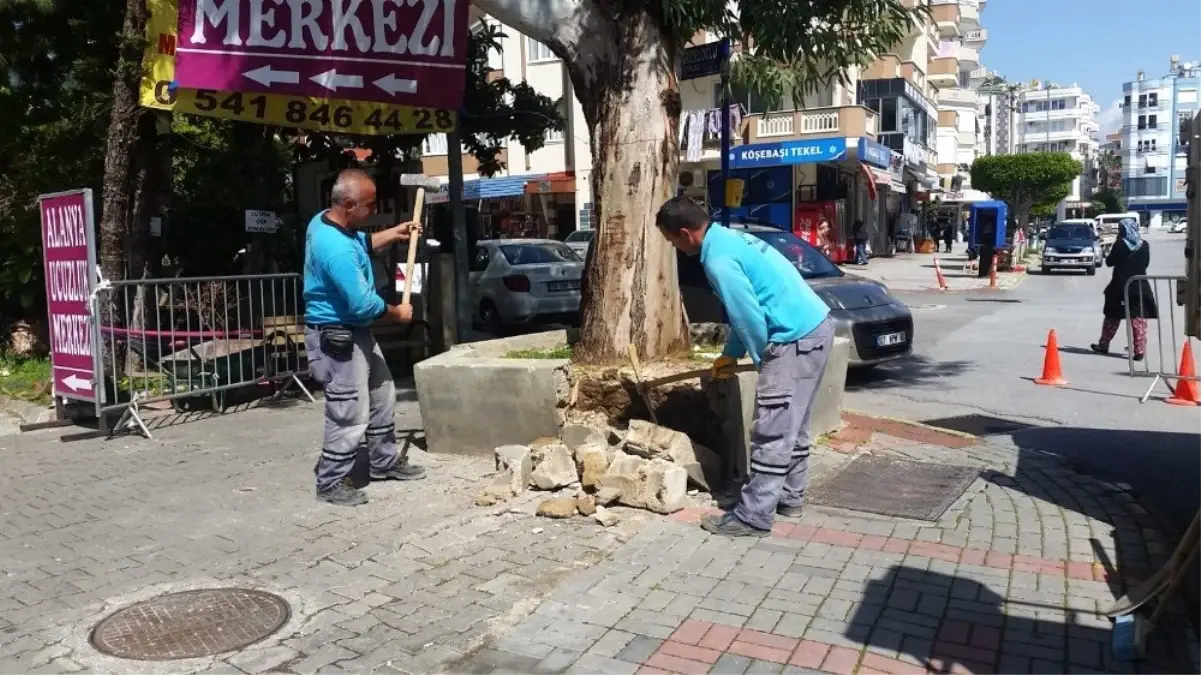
535	206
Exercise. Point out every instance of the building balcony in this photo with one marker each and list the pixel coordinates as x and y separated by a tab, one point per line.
969	57
946	16
969	15
887	67
975	38
944	71
957	97
914	73
851	121
948	118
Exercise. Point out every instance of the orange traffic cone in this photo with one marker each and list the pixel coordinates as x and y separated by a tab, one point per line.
1186	390
942	281
1052	373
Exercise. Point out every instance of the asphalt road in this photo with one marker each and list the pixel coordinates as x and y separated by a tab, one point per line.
977	353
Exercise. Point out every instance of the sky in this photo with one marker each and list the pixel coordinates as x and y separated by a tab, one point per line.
1097	44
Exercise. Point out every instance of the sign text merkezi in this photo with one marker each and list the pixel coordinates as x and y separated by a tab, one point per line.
407	52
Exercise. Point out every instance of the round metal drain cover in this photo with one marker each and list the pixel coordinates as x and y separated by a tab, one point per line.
921	307
190	624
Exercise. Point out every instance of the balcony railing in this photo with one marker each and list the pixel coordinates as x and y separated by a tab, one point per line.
968	55
944	69
977	36
957	96
946	17
849	121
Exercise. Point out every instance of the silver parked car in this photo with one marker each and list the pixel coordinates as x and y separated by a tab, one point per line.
580	241
879	325
518	281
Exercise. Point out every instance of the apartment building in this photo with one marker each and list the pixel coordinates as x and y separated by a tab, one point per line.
544	193
1153	157
956	72
1049	117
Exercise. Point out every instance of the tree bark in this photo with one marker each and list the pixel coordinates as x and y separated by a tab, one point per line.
117	195
631	101
622	66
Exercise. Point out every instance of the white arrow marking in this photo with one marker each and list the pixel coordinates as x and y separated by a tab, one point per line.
394	85
332	81
269	76
77	383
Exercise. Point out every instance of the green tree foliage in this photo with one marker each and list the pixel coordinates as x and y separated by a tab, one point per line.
1109	200
1026	181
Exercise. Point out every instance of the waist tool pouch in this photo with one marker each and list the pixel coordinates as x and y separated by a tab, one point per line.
337	342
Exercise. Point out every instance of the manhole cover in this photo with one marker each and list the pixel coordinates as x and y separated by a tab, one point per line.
924	307
190	624
894	487
1000	300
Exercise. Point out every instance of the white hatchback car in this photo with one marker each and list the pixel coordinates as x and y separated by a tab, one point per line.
580	241
521	281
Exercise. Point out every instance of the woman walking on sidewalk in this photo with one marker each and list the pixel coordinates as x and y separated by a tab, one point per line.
1129	257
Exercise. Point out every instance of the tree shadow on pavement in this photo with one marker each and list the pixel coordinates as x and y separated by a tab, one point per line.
907	372
993	623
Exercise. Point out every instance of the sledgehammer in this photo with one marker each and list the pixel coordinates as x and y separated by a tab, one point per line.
422	182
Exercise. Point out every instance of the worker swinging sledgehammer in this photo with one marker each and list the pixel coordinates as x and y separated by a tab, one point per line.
786	329
340	305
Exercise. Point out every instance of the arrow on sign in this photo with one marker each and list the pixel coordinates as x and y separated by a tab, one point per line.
77	383
394	85
332	81
269	76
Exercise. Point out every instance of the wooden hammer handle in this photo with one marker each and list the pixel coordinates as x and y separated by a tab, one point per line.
692	375
414	237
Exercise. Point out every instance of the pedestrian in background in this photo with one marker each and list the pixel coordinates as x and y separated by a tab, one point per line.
948	235
859	234
824	237
340	305
785	327
1130	256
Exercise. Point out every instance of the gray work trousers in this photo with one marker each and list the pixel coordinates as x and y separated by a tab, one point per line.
360	401
789	377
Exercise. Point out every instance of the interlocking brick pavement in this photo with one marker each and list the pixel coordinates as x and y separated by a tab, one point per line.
1010	579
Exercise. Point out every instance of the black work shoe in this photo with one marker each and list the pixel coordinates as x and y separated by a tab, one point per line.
402	470
1136	357
730	526
1099	349
343	494
789	511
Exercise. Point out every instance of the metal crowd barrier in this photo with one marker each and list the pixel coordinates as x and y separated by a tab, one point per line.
191	341
1161	361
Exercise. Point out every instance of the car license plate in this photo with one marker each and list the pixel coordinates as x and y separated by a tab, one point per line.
890	339
564	285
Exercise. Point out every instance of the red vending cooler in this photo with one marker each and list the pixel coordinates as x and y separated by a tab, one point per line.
805	225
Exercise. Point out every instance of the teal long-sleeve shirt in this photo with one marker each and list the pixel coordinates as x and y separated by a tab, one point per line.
764	295
338	286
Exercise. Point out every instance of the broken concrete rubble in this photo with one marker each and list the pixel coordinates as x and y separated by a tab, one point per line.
576	436
651	440
554	466
559	507
592	460
605	517
656	484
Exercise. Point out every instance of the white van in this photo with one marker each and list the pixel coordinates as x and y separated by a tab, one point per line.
1107	226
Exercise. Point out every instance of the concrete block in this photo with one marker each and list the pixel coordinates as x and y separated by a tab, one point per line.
733	401
473	399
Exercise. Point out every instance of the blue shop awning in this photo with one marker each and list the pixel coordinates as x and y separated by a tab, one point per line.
486	188
1159	206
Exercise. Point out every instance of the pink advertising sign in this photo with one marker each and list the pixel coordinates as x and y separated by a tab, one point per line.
69	256
404	52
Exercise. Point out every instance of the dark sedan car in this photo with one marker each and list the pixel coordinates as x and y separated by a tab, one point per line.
880	326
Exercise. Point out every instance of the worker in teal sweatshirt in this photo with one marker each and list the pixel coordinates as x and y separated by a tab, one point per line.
777	320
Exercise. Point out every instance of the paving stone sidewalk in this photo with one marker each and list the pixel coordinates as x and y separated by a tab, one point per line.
420	580
1011	579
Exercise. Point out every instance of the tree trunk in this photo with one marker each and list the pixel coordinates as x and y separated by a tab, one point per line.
117	197
623	72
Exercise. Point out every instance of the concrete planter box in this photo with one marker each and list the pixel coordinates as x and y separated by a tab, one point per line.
473	399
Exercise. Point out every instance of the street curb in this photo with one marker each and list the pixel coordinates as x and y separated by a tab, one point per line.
28	413
918	425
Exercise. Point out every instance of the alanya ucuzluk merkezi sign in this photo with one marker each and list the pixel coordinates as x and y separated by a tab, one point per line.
403	52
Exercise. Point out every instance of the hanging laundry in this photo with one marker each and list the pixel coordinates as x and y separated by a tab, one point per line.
696	131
